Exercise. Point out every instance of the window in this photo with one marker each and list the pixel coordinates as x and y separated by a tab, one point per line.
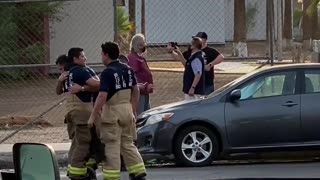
276	84
312	81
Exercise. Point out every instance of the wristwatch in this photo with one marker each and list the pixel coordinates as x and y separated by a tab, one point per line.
193	87
82	88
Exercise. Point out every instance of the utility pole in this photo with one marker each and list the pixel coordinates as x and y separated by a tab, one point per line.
270	29
279	28
115	21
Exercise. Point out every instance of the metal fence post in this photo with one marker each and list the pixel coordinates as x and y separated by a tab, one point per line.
270	16
115	21
279	29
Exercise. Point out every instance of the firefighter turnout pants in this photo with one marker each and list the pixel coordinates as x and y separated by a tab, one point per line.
80	134
118	134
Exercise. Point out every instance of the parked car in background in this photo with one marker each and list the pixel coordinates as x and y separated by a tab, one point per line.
272	109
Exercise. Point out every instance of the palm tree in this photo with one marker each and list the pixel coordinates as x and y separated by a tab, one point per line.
124	27
143	17
312	11
306	24
310	25
287	24
240	29
132	15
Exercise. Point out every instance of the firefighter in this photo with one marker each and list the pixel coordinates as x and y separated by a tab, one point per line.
118	97
96	148
81	83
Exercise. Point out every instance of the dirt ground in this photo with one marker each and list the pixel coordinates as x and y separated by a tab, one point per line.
33	97
36	97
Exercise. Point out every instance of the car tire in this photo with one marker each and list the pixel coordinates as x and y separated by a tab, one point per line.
196	146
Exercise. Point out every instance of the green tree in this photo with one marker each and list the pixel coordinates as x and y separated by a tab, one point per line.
132	15
125	28
287	24
23	33
310	27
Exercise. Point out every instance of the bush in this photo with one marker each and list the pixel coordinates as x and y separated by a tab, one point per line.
22	30
22	35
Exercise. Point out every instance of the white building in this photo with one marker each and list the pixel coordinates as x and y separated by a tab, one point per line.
178	20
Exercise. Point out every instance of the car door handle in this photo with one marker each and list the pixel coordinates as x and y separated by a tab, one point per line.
290	104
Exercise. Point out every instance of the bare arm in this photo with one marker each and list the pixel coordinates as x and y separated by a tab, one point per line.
135	98
93	85
196	79
59	88
62	78
96	77
180	57
177	54
197	70
216	61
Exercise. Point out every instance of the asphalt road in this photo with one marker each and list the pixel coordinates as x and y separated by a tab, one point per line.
278	170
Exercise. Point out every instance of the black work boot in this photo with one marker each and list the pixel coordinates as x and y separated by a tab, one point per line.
138	177
80	178
94	167
91	174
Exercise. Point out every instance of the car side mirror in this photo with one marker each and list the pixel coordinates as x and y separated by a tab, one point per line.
235	95
35	162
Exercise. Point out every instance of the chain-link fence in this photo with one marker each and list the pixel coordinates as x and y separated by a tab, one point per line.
33	34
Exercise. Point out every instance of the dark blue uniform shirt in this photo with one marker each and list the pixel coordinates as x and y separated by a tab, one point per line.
93	73
116	77
80	75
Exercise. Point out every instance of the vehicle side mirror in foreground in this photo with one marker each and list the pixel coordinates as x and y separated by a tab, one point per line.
235	95
35	162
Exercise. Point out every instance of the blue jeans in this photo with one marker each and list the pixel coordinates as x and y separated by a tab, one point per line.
208	90
144	104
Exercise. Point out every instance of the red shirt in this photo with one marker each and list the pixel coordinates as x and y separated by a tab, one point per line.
141	69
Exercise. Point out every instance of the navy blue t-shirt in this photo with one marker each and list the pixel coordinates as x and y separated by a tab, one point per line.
80	75
116	77
93	74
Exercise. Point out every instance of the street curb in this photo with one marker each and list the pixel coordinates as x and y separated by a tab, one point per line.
181	71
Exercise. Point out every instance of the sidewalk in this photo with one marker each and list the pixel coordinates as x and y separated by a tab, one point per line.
223	68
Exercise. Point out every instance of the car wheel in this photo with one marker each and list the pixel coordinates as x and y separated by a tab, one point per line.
196	146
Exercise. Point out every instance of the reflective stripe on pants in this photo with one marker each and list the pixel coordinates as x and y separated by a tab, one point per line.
74	171
91	163
111	174
137	169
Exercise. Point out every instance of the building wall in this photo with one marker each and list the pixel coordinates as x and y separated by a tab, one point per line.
178	20
86	24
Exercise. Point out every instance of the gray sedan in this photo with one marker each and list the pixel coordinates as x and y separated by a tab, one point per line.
273	109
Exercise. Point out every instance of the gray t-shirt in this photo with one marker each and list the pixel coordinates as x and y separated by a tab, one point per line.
196	66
